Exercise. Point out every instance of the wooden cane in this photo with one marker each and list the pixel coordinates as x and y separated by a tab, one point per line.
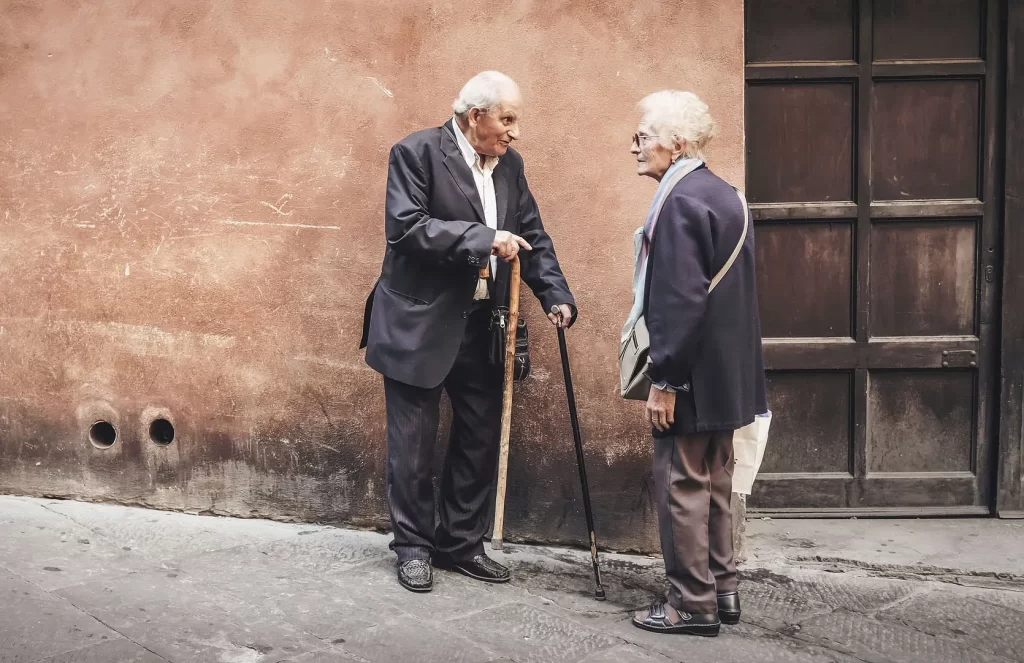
506	404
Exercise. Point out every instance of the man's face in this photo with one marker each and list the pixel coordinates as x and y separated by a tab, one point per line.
492	132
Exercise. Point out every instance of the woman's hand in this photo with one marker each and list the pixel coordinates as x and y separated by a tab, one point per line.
661	409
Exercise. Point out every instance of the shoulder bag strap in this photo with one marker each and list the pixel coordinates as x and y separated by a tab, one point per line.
739	246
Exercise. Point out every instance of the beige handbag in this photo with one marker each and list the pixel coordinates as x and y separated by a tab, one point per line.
748	445
634	354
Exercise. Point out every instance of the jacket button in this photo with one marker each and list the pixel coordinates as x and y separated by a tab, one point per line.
465	314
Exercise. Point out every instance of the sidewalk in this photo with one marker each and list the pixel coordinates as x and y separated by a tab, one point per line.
87	583
981	547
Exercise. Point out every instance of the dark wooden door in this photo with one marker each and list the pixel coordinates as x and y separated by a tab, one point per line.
870	133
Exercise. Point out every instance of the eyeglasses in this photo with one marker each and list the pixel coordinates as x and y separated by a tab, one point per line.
640	139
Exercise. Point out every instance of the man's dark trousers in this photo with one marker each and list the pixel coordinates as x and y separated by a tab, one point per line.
474	387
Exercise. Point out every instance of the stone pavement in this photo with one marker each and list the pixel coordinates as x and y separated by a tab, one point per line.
87	583
965	546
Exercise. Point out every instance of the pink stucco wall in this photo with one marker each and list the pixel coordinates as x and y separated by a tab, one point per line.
191	212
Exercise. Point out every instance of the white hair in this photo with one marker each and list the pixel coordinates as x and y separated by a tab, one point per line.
679	116
486	91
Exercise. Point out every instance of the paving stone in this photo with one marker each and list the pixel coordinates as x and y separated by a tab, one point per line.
960	544
976	624
15	510
871	638
337	549
735	643
35	624
165	535
853	593
409	639
63	553
315	606
774	607
626	654
328	601
115	651
631	581
296	593
454	595
185	621
1014	600
330	655
527	634
320	554
570	584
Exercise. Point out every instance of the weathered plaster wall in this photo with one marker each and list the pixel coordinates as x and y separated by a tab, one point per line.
191	198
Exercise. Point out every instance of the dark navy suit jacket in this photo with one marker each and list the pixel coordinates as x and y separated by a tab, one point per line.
437	241
708	346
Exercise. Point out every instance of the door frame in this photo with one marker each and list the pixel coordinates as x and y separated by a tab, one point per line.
1009	501
998	429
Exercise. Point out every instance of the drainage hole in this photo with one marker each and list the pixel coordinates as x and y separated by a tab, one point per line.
161	431
102	434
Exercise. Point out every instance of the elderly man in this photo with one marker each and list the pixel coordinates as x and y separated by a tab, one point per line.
458	209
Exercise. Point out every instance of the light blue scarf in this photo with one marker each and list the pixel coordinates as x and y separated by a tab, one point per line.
645	234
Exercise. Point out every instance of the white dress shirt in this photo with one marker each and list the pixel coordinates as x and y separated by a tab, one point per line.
482	168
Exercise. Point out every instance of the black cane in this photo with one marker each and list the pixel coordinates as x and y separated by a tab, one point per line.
570	394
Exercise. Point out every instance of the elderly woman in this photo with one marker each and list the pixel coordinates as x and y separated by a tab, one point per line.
695	288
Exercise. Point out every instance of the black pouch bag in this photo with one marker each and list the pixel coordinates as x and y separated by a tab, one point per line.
499	324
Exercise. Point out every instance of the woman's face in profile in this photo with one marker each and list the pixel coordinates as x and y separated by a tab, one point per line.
652	158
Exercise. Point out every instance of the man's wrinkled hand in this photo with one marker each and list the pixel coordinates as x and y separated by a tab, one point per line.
661	409
507	246
561	315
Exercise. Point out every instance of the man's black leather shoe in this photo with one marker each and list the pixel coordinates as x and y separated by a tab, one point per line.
729	607
416	575
480	567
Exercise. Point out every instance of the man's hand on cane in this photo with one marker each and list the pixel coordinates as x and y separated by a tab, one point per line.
506	245
561	315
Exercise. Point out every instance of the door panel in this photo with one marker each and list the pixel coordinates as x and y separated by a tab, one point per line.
813	416
870	134
927	29
791	30
921	421
804	277
925	139
923	278
811	160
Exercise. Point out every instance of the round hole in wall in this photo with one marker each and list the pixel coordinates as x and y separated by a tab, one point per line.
161	431
102	434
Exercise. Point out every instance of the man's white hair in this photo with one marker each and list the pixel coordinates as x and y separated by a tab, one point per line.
673	115
486	91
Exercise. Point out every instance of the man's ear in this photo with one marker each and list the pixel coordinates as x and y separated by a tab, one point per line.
473	117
